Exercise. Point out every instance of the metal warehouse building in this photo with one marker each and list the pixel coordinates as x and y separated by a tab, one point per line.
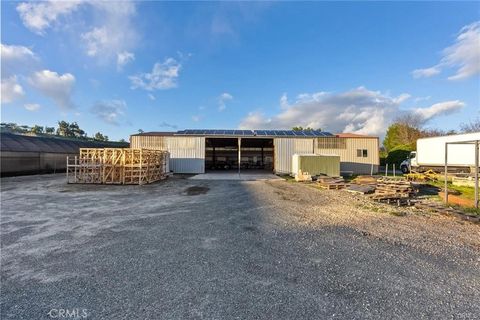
197	151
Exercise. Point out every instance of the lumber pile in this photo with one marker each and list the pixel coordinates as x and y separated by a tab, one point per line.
302	176
365	180
117	166
331	183
393	189
361	189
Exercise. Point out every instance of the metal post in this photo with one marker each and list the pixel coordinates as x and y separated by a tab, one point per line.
394	169
213	158
386	169
239	153
67	169
371	170
476	172
75	166
446	171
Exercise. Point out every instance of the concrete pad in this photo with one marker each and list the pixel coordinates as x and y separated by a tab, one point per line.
235	176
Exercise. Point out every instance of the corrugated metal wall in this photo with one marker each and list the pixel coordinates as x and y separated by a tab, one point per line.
187	154
13	162
285	148
347	151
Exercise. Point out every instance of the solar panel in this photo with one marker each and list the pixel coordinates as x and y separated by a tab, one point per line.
260	132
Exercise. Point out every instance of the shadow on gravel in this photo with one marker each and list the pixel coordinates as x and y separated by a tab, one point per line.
196	190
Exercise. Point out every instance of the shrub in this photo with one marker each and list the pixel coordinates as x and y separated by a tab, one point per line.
398	154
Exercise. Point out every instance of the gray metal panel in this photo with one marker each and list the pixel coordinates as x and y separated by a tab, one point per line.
187	154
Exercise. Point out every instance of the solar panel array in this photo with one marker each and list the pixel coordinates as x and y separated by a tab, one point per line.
253	133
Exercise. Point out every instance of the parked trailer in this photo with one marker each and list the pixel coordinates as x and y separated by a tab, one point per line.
430	154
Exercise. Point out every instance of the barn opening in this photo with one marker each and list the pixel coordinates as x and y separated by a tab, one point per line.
246	154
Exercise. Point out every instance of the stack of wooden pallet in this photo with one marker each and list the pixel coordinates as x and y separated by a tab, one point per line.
393	189
117	166
331	183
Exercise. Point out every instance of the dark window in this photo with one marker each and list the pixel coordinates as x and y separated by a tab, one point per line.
362	153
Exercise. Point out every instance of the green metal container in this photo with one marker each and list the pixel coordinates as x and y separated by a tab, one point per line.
316	164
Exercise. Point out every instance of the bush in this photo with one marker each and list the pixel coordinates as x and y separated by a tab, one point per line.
398	154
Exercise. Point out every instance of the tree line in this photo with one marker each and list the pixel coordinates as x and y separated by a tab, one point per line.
63	129
401	136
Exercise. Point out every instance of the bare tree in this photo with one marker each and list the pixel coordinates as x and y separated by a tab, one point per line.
472	126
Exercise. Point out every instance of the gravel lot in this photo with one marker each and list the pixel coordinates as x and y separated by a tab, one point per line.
193	249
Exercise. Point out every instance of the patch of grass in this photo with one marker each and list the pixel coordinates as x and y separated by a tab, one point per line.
465	192
398	213
469	210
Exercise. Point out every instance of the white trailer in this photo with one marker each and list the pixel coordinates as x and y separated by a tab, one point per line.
430	154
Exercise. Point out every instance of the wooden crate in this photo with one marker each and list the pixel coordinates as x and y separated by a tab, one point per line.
117	166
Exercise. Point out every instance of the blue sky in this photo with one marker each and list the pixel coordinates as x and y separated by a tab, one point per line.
117	67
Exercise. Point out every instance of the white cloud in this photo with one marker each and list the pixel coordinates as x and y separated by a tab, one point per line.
16	59
426	73
31	106
123	58
151	97
11	90
163	76
402	98
223	99
57	87
38	16
359	111
115	35
418	99
111	111
437	109
112	33
463	55
196	118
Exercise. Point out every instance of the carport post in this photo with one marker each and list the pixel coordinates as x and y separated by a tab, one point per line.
239	153
446	169
476	173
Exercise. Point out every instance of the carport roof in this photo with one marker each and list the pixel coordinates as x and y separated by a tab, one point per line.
242	133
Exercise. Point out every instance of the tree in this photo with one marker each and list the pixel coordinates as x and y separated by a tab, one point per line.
36	129
75	130
100	137
63	129
122	140
49	130
140	131
299	128
472	126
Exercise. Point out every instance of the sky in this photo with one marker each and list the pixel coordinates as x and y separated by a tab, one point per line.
117	67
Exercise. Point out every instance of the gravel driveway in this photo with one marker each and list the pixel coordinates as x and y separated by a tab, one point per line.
193	249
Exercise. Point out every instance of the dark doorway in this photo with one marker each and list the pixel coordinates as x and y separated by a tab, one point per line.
255	154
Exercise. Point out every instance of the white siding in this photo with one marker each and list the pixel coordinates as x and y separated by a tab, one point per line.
187	154
285	148
431	151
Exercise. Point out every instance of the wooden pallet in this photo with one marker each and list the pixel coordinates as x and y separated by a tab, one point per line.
117	166
333	186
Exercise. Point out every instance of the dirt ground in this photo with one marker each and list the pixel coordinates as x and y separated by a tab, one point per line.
198	249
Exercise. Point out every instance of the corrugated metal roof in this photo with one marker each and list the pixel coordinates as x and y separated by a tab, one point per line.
21	143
